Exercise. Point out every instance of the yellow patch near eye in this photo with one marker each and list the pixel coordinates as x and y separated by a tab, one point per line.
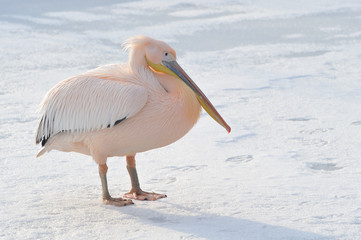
160	68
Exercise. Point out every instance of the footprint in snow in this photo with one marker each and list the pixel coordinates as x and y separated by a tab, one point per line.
356	123
186	168
316	131
240	159
318	142
299	119
162	180
324	166
314	142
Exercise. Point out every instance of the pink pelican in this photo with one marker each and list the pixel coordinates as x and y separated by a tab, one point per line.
121	110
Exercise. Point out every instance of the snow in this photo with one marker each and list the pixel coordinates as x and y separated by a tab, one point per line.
284	75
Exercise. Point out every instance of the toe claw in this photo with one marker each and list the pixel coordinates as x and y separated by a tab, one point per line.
144	196
119	202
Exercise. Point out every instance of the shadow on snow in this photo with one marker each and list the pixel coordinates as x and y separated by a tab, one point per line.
211	226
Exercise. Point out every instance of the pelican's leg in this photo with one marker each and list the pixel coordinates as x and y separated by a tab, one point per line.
107	199
136	192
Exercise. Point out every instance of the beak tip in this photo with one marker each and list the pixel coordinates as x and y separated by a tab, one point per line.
228	128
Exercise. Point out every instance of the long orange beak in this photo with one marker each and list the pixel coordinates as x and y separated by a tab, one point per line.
203	100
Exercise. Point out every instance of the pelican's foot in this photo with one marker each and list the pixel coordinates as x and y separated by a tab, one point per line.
143	196
119	202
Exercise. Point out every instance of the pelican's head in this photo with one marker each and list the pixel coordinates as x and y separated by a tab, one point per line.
162	58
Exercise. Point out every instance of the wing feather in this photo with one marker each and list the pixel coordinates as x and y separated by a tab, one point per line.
87	103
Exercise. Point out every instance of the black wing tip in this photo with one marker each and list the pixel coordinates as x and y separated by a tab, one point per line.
39	138
43	141
117	122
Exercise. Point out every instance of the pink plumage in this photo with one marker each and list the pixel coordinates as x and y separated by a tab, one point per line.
121	110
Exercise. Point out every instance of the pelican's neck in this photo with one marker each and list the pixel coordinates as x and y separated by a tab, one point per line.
137	59
171	84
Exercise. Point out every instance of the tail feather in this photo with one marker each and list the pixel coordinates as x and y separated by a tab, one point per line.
41	152
39	133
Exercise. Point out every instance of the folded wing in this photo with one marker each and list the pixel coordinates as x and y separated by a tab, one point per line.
87	103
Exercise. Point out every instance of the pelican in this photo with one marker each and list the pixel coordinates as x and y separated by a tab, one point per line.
122	110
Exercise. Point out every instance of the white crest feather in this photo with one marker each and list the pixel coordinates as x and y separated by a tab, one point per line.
132	42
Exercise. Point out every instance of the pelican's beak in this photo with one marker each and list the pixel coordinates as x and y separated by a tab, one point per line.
173	68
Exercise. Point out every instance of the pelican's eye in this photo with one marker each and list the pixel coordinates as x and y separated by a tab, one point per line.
167	56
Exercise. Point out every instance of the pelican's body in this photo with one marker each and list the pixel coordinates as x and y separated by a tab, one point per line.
121	110
168	112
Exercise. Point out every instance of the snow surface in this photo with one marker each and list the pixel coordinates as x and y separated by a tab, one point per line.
284	74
